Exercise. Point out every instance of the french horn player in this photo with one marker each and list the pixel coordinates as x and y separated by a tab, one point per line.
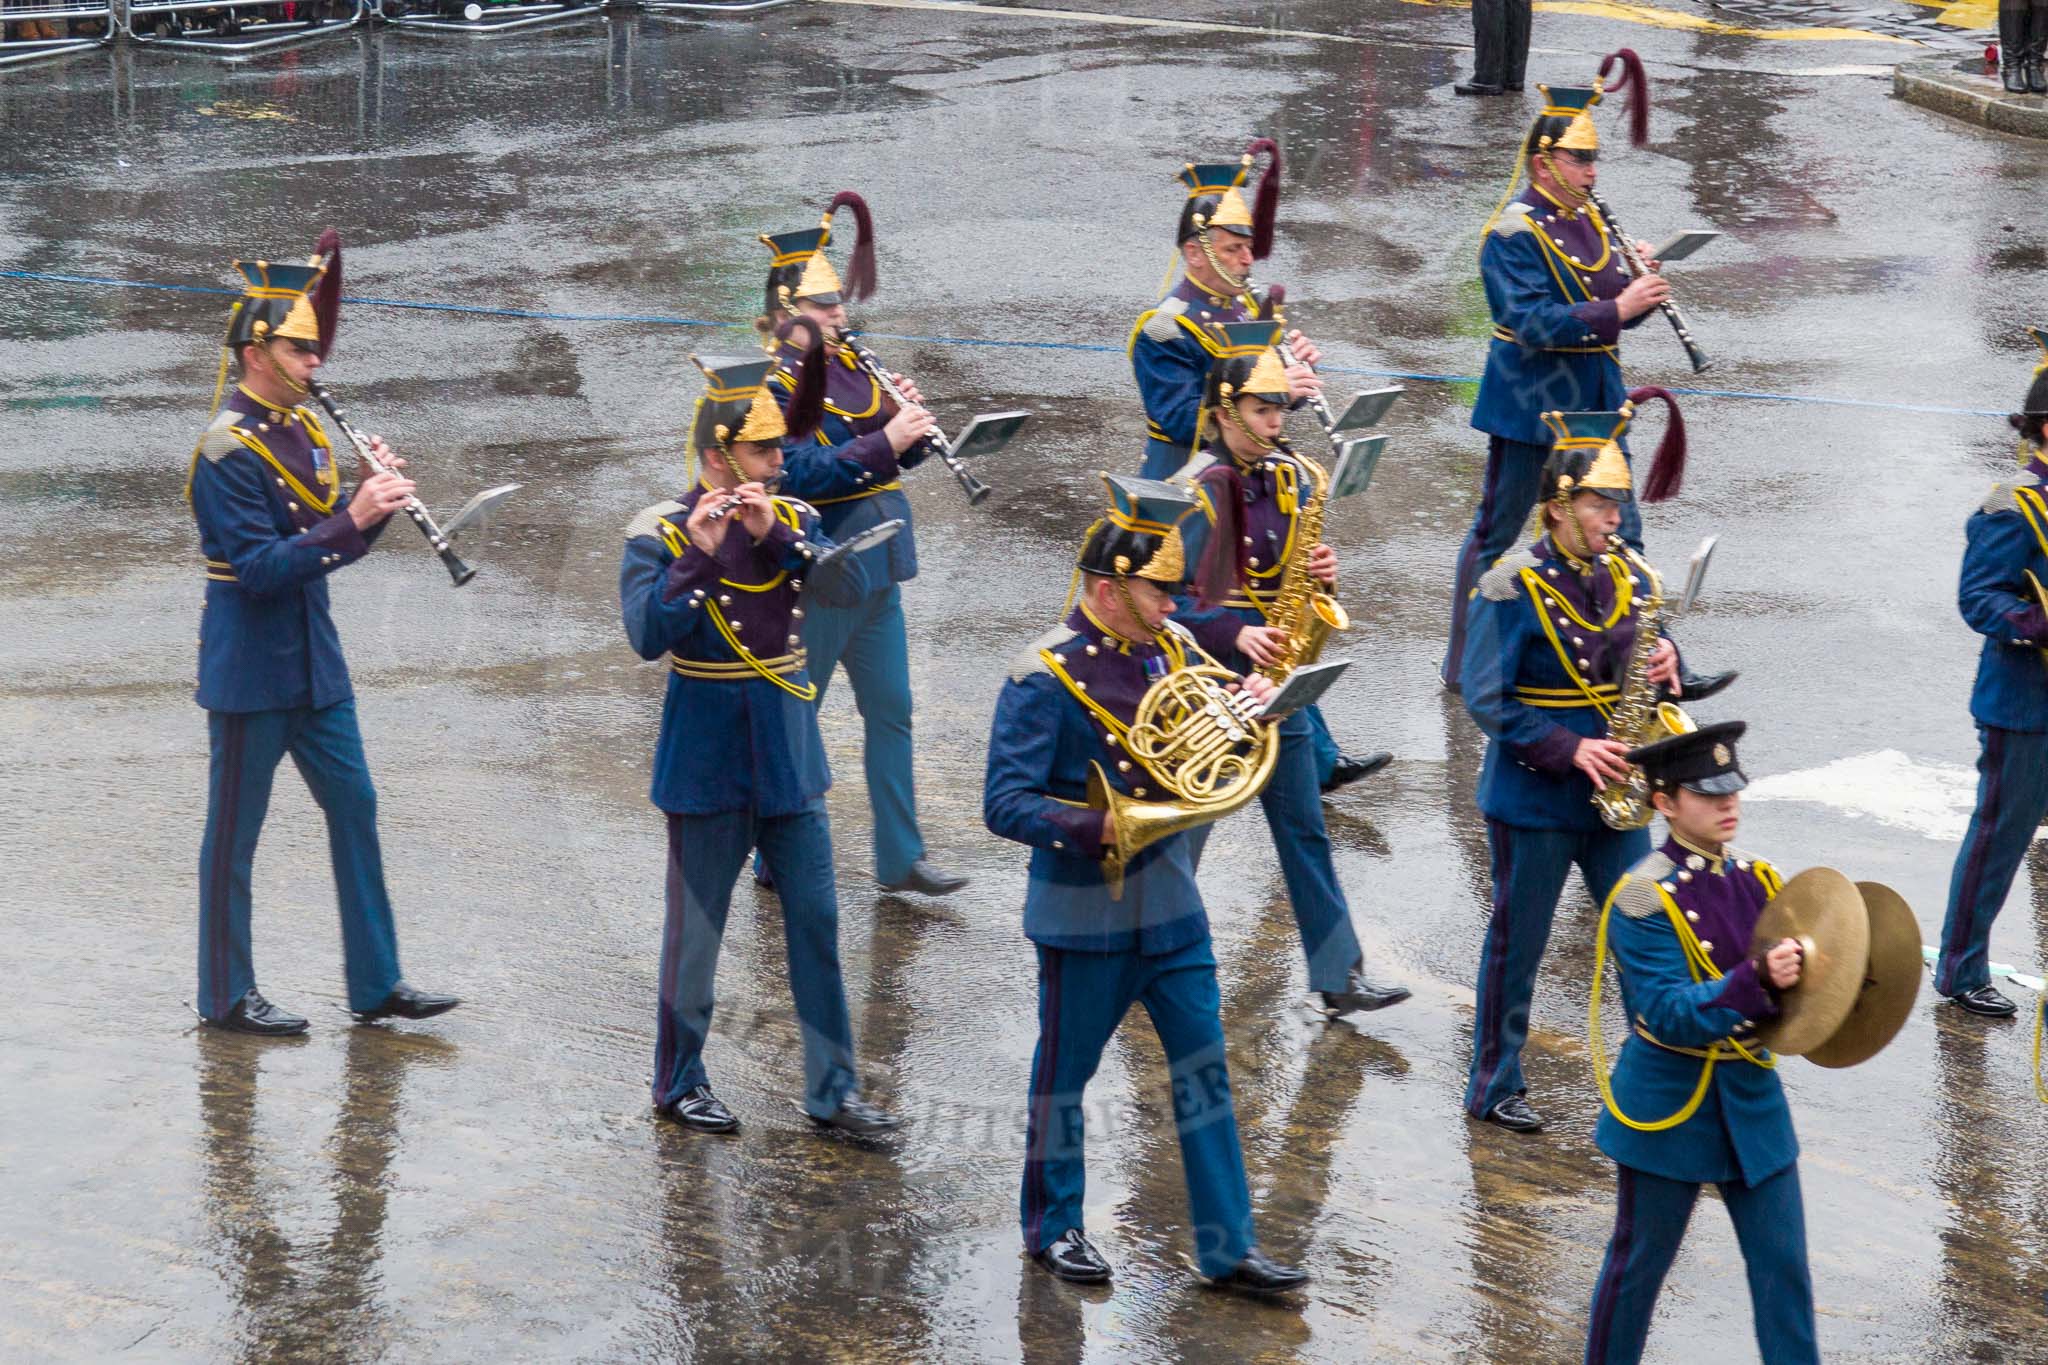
1112	739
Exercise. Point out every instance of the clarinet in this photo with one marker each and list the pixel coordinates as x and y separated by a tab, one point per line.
1637	270
936	439
1267	305
726	509
414	508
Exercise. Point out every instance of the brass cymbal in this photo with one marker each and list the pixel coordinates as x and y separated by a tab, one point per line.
1891	982
1823	910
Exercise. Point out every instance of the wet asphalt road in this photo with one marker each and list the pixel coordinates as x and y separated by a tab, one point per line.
493	1184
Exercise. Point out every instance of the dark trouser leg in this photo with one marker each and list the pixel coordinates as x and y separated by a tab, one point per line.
705	854
1604	858
1516	42
1650	1215
2012	794
1182	999
1081	999
2014	19
1490	41
1514	474
246	748
327	746
1293	804
2037	49
799	853
1529	868
1770	1225
1324	743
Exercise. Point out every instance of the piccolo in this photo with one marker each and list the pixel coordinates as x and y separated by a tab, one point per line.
726	509
1637	269
414	508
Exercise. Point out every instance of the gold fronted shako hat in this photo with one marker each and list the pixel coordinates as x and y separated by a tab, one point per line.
1151	530
1586	456
1215	204
739	405
297	303
2033	413
799	269
1243	363
1565	123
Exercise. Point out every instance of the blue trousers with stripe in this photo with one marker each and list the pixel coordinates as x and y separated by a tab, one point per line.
1293	803
1514	479
1649	1222
1323	743
1082	997
327	748
1529	871
868	640
2012	796
705	855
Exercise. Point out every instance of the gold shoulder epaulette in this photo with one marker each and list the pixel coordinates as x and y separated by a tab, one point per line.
222	437
1637	896
1163	322
2003	495
1503	582
1032	660
1513	220
648	521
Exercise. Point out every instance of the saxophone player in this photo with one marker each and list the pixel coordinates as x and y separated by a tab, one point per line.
1070	704
1263	497
1551	637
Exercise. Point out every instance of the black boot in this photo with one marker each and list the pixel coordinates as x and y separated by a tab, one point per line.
2013	46
2037	50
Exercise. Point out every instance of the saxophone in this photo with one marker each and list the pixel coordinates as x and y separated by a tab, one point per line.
1639	718
1299	607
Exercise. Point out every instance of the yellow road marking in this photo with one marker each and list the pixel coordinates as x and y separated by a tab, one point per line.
1652	17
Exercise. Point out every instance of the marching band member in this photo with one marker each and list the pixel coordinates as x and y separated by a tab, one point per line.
1560	296
1071	701
1257	489
714	580
1681	923
2000	597
848	469
1551	632
1172	347
274	521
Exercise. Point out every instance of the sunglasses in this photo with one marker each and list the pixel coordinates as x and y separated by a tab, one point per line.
303	347
1579	157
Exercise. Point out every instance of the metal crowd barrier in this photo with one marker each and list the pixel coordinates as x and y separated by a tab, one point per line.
708	6
45	28
480	18
234	30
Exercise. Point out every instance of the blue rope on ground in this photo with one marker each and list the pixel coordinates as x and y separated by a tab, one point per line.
660	320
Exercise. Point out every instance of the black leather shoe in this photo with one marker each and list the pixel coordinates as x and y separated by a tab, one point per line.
926	880
406	1003
1478	88
1360	994
1516	1115
1260	1276
1350	767
700	1110
1074	1259
1700	686
1988	1001
253	1014
856	1116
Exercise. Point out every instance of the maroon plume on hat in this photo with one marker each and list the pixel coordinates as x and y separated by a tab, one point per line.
1667	471
807	400
860	267
327	292
1266	205
1635	83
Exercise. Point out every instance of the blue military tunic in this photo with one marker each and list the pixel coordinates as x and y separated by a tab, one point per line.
273	523
2008	538
738	731
1677	1015
1170	355
1551	276
847	469
1040	745
1549	640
